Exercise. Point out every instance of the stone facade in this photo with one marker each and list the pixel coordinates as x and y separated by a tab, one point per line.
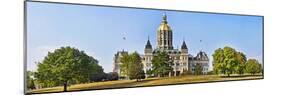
201	59
183	61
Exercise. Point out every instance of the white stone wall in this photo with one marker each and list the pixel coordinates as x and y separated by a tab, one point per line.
204	64
180	60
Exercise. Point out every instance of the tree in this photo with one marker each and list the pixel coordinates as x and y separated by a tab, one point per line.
112	76
140	75
241	57
30	81
125	66
136	68
253	66
225	60
161	64
149	72
198	69
240	69
218	59
98	77
66	66
132	66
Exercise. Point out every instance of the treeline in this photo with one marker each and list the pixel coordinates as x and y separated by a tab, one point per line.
228	61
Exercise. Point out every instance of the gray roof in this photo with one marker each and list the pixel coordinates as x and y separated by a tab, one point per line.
148	45
202	56
183	46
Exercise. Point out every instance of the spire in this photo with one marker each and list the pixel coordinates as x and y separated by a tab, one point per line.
183	46
164	18
148	45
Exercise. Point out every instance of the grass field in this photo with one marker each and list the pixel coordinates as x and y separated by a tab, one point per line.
146	82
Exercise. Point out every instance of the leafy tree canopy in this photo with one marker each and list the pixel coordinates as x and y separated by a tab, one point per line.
161	64
253	66
67	65
228	61
131	66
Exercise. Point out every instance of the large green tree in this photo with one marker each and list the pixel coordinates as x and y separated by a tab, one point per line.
253	66
228	61
136	68
161	64
66	66
131	66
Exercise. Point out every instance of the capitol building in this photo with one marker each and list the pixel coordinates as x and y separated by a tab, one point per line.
182	60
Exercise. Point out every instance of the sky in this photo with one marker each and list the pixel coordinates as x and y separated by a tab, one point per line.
99	31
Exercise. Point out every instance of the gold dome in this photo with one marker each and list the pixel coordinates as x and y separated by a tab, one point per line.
164	24
164	27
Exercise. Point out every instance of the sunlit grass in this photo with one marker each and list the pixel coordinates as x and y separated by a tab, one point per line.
146	82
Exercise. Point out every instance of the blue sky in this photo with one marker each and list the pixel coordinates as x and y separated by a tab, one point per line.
99	31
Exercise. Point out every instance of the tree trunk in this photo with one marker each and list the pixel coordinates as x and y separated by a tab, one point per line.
65	87
170	74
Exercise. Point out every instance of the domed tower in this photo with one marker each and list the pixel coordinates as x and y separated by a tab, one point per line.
164	35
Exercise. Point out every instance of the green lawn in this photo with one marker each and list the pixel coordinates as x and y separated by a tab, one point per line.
147	82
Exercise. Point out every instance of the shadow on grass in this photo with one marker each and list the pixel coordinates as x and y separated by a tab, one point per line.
132	83
240	76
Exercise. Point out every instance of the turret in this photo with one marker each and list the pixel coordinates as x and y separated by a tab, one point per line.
184	48
148	47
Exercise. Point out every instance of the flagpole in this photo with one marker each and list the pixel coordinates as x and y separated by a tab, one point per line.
201	45
124	39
